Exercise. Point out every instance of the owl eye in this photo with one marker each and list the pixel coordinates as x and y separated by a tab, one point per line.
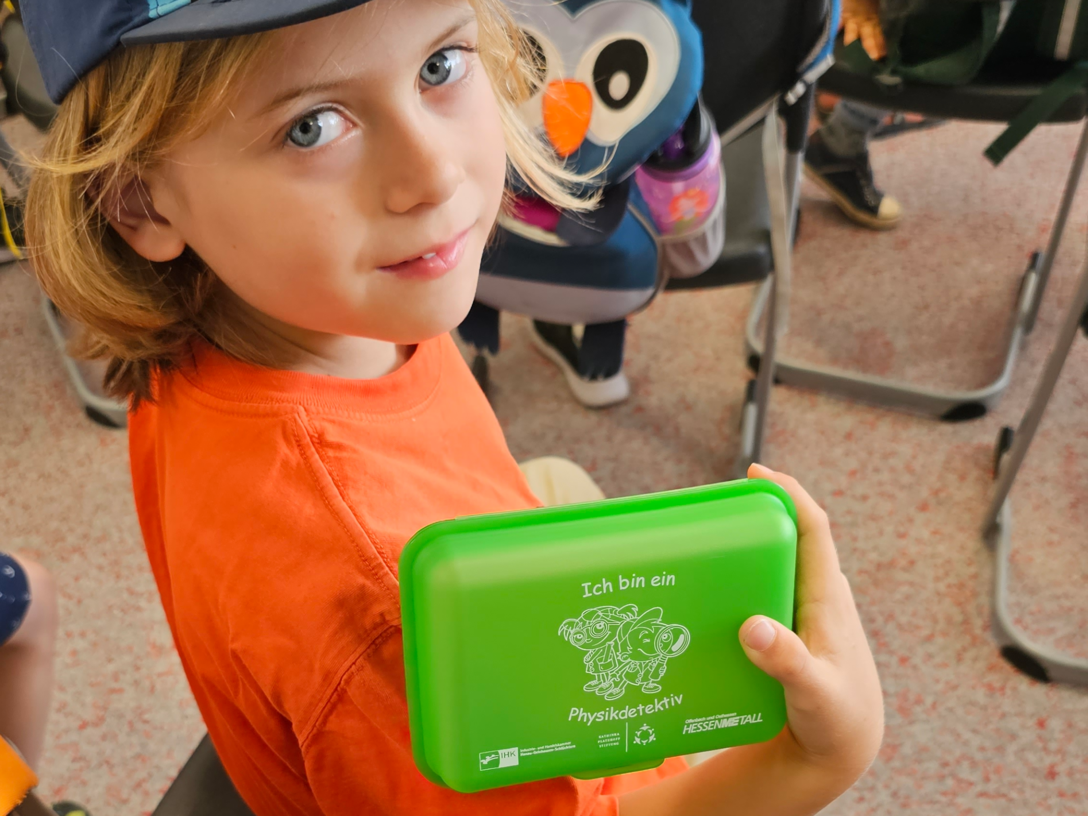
538	60
546	64
620	72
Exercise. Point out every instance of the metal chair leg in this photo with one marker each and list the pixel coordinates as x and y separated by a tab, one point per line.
105	411
11	162
1043	391
1046	260
757	402
949	405
1030	657
797	118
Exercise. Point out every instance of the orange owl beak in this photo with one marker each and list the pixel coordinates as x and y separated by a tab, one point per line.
568	106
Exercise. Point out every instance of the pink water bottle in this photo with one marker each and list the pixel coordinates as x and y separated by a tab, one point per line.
684	186
682	181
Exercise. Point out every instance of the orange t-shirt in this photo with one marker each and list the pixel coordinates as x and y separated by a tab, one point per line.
274	507
16	778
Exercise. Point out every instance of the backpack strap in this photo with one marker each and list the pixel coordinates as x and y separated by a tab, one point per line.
1038	111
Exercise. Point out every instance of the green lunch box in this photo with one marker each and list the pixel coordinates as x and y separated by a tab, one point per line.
593	639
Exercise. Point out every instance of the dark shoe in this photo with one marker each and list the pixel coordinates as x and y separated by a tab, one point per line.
598	390
69	809
849	182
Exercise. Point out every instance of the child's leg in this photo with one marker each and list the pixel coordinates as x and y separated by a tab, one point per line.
28	629
851	126
558	481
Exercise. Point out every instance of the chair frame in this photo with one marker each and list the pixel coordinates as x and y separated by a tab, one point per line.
1033	658
952	405
782	170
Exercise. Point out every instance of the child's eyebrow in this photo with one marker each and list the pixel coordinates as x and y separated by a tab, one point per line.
319	87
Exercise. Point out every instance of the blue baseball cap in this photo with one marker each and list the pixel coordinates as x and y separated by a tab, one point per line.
70	37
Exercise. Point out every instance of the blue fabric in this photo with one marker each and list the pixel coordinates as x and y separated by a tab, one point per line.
70	37
578	29
665	119
625	260
14	597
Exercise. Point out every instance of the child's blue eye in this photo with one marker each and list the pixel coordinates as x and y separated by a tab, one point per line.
316	129
445	66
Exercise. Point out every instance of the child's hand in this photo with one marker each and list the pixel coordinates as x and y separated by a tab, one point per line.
833	697
861	20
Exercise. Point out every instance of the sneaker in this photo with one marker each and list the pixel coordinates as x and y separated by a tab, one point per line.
69	809
849	182
561	350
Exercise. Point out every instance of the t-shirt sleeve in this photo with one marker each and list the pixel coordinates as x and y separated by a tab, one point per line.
16	778
358	756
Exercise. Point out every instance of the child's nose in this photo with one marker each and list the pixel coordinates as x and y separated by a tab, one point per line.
421	169
568	108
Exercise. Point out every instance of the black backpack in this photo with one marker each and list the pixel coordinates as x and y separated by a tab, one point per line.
938	42
949	42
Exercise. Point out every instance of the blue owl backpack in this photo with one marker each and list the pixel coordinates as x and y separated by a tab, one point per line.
618	90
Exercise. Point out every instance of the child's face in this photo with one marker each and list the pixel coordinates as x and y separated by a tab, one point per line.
365	142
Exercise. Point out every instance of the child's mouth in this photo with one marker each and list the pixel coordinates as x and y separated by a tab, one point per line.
432	264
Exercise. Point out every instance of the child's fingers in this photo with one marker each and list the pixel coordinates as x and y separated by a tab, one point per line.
826	616
878	38
849	32
816	556
780	653
872	40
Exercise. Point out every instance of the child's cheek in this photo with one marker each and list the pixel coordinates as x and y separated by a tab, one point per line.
488	144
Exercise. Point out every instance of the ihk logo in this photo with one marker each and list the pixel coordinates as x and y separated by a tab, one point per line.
503	758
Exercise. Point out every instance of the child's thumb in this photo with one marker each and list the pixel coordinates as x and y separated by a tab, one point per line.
778	652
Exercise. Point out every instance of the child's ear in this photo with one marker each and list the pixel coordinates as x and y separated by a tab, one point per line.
128	206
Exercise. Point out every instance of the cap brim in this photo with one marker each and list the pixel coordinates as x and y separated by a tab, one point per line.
213	19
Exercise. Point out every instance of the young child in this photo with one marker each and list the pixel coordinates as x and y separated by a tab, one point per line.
837	155
28	632
270	234
17	781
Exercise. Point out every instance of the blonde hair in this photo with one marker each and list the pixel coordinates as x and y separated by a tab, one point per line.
127	114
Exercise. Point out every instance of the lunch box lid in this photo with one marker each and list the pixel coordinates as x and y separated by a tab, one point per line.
439	548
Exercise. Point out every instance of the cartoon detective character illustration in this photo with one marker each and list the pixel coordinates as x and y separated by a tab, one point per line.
594	632
645	646
624	648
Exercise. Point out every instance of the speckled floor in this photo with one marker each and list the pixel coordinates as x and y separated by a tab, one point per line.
966	733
